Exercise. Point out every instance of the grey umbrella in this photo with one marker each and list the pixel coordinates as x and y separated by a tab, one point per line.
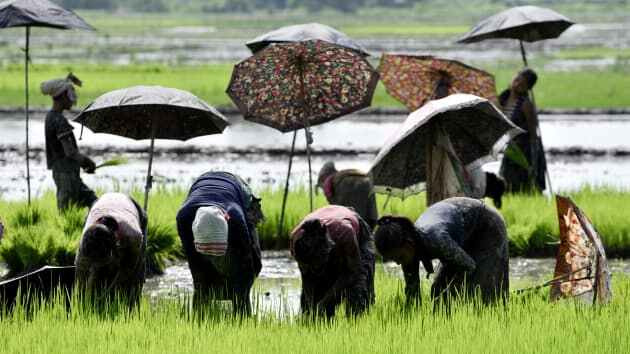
36	13
523	23
476	128
305	32
152	112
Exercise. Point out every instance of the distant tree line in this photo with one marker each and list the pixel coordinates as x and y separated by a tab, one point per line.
348	6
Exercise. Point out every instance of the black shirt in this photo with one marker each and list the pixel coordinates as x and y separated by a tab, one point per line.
58	127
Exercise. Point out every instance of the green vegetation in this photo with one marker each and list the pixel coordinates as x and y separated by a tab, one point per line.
583	89
530	324
41	236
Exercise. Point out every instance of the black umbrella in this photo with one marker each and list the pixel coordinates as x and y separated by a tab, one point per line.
524	23
36	13
305	32
37	284
152	112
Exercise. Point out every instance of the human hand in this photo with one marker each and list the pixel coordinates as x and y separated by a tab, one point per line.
88	165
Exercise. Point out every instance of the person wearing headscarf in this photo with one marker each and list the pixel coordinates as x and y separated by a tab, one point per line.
111	257
62	154
468	237
350	188
519	108
334	250
217	227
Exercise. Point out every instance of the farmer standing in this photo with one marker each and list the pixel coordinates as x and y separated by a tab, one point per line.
468	237
217	227
62	154
350	188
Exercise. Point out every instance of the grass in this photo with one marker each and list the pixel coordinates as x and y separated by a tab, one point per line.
583	89
530	324
531	221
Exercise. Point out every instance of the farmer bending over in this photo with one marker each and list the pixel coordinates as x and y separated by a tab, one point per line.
217	227
468	237
62	154
111	256
350	188
333	249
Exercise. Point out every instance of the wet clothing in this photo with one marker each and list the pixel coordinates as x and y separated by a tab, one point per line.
470	240
65	170
516	177
354	189
242	261
349	273
124	269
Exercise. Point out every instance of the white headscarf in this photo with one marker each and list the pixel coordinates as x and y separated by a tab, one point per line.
58	87
210	231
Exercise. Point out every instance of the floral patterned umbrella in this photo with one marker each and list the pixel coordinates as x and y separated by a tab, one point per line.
289	86
415	79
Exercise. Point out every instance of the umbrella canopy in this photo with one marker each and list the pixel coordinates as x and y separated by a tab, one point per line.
305	32
476	128
146	112
39	13
152	112
290	86
581	266
525	23
415	79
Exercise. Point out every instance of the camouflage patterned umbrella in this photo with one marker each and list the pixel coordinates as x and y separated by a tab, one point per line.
152	112
476	128
36	13
581	266
415	79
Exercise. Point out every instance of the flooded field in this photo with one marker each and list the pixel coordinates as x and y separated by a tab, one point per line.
582	150
278	286
191	45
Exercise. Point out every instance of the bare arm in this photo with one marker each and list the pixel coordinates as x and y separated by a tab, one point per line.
71	151
412	282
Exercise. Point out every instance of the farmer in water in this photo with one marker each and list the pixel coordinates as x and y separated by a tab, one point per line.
62	154
217	227
334	251
468	237
111	257
529	175
350	188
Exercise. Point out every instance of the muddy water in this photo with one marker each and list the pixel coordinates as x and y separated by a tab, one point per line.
260	154
278	287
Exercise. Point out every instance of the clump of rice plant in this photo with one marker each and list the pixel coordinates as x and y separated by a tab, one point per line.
27	216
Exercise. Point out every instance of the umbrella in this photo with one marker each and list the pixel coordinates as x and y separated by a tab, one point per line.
291	86
581	266
152	112
36	13
43	282
415	79
524	23
476	128
305	32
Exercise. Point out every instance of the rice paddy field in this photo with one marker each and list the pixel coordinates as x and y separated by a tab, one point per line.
529	324
39	236
605	88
